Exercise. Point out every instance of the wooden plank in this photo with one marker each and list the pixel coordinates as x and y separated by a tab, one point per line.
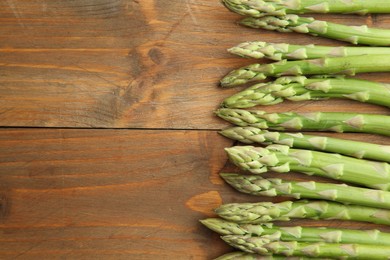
131	64
117	194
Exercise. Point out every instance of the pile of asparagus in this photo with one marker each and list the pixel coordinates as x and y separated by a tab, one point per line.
307	73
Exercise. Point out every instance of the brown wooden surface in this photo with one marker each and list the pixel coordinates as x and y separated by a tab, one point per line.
81	194
144	64
147	70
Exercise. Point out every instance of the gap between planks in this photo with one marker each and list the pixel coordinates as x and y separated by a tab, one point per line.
111	128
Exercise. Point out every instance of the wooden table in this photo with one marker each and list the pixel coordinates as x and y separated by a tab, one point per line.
109	146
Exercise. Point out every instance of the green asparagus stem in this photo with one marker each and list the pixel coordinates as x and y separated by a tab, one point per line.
301	88
280	51
313	121
294	23
263	212
239	255
281	158
349	65
251	135
272	187
267	246
259	8
299	234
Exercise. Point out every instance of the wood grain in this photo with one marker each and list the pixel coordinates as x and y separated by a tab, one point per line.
141	79
130	64
115	194
112	194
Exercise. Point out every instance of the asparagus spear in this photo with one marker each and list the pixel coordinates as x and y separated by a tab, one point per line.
299	234
280	51
251	135
263	212
349	65
281	158
267	246
259	8
240	255
312	121
258	186
294	23
301	88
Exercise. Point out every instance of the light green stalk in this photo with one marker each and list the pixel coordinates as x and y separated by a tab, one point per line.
308	25
312	121
299	234
349	65
301	88
240	255
263	212
281	158
251	135
272	187
281	51
259	8
267	246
